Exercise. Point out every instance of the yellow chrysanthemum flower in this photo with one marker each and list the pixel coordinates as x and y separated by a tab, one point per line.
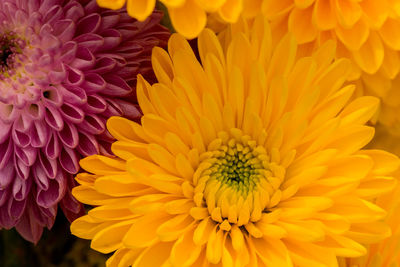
366	31
189	17
242	160
388	90
387	252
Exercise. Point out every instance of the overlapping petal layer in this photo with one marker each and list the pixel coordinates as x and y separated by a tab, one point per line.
189	17
240	160
66	66
366	31
387	252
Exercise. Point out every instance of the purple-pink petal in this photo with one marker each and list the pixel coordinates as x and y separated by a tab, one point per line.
79	69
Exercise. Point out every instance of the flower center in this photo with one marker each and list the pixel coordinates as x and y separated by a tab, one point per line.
10	47
236	180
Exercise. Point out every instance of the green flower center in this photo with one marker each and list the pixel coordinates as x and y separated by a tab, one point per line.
237	166
236	180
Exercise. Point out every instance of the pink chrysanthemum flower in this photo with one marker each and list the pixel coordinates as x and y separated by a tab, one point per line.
65	67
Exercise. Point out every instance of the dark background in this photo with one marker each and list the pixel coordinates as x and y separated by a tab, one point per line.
57	247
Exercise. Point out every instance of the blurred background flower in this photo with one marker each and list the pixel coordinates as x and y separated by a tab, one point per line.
66	66
189	17
365	31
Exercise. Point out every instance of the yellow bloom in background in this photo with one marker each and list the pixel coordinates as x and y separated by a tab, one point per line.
387	252
366	31
388	90
248	159
189	17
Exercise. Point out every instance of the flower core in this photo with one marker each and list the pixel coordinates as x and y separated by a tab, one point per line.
236	179
10	47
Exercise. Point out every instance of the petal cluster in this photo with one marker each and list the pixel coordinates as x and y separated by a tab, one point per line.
189	17
386	252
66	66
366	31
252	160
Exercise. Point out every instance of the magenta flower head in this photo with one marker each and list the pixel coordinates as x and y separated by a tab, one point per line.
65	67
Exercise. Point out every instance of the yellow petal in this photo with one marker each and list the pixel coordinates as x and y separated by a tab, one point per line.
273	8
331	106
124	129
155	255
90	196
369	233
87	227
304	205
149	203
173	3
390	33
142	91
357	210
391	64
271	230
112	4
203	231
162	157
123	257
300	24
231	10
140	10
251	8
156	127
272	252
102	165
283	58
352	167
343	246
309	254
179	206
352	139
348	12
183	166
112	212
376	186
175	144
110	238
164	100
143	231
305	231
188	19
174	227
376	12
354	37
333	223
120	185
384	162
369	56
214	246
333	77
210	6
162	66
127	150
324	15
185	252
